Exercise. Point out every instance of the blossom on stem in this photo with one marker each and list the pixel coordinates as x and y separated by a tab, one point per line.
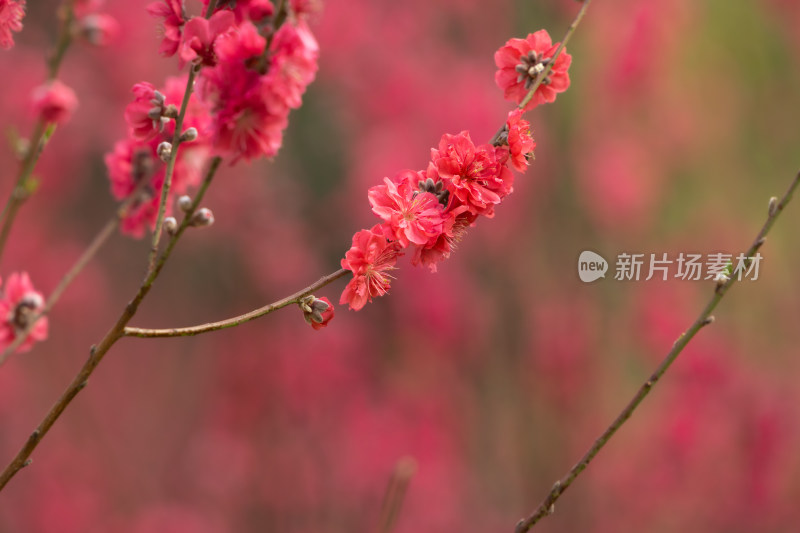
19	303
414	216
251	90
370	258
473	175
174	18
520	61
199	36
11	13
54	102
146	114
517	136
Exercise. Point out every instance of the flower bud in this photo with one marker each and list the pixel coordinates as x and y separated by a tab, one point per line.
317	312
203	217
170	226
773	206
164	151
184	203
189	135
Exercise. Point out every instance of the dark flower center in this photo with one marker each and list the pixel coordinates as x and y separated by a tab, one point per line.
529	68
435	188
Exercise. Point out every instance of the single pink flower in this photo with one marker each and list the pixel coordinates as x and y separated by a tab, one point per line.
20	302
11	13
454	227
521	60
54	102
200	34
370	258
414	216
145	115
174	18
472	174
519	140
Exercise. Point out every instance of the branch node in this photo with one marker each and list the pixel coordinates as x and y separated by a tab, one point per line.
27	463
708	320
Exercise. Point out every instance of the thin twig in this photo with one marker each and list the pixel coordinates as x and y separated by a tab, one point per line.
41	131
546	71
97	352
705	318
97	243
404	470
176	141
237	320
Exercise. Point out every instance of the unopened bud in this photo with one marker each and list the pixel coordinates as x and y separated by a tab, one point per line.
721	279
171	111
317	312
158	98
773	206
189	135
184	203
203	217
170	226
164	151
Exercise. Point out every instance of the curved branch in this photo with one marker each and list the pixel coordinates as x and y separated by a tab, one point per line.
237	320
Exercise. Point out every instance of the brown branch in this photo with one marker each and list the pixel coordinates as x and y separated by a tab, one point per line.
237	320
547	506
404	470
97	352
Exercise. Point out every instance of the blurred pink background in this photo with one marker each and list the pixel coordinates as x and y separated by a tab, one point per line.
496	373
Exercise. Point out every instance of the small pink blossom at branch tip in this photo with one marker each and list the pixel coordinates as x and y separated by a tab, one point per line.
370	258
174	17
317	312
199	36
54	102
519	140
11	13
521	60
19	303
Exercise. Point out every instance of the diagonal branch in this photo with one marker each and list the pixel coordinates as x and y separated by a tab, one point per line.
705	318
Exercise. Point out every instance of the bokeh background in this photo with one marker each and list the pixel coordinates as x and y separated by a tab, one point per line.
496	373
